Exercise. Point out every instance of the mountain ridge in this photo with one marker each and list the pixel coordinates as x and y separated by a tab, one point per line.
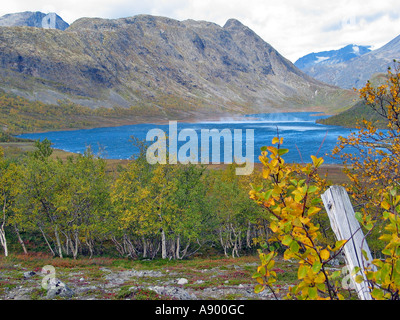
331	56
157	62
355	72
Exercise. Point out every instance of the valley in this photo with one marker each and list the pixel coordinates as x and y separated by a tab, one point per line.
114	228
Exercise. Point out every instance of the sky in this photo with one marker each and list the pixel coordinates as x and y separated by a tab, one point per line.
293	27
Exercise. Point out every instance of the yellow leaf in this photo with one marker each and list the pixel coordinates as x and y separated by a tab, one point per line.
385	205
325	254
266	172
313	210
275	140
320	278
339	244
317	161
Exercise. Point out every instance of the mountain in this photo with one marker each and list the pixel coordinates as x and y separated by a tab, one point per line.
165	66
354	73
331	57
34	19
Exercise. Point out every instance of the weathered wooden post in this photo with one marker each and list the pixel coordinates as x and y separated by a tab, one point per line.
346	227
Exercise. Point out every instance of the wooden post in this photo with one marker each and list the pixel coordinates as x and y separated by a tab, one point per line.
346	227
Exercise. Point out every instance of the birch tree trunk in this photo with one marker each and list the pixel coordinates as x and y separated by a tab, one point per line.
3	239
248	235
45	238
20	239
58	241
163	244
144	247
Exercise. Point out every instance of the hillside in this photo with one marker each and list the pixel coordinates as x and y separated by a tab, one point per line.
170	67
19	115
349	118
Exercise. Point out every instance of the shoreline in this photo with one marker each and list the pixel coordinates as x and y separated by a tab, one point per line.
195	118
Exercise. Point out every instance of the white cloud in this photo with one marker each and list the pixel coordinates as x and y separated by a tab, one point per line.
293	27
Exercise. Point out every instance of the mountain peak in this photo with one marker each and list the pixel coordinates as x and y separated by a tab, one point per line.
34	19
233	23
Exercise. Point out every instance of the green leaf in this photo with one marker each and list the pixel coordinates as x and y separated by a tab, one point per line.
355	270
377	294
294	246
339	244
365	255
287	240
259	288
359	217
398	266
267	194
302	272
262	270
312	292
312	189
359	278
336	274
316	266
281	152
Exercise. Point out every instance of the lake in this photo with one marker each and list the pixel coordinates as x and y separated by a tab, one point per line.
302	135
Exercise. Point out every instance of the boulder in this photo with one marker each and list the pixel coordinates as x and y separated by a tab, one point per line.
57	288
174	292
182	281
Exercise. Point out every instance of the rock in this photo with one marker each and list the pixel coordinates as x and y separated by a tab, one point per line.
57	288
174	292
334	262
182	281
29	274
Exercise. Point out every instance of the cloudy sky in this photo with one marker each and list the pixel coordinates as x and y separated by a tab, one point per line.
293	27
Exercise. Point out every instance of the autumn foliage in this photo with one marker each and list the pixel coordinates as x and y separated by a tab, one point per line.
290	195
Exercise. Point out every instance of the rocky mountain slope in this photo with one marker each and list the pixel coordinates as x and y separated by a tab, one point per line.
354	73
34	19
157	63
309	61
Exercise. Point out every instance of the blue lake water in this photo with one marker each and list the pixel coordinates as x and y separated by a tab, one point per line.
302	136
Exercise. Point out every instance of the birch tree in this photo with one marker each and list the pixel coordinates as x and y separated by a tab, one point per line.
9	190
